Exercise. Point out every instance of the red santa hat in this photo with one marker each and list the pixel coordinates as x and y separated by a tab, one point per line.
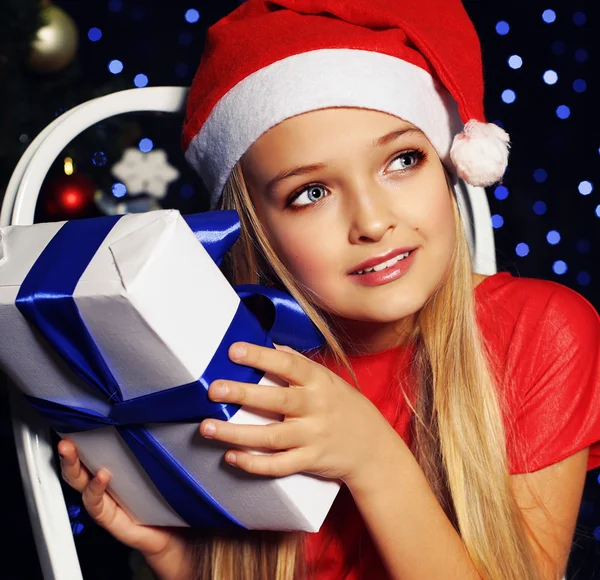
270	60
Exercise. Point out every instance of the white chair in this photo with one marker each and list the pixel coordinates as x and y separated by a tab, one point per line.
41	482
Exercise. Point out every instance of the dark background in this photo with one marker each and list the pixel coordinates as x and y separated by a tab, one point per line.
546	214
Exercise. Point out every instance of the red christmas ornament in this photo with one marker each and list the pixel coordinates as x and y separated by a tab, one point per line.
69	197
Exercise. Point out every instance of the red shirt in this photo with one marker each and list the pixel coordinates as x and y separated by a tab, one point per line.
545	339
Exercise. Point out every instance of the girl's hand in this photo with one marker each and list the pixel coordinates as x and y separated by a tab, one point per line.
330	429
163	548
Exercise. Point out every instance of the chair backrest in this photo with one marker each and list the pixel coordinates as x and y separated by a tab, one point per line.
45	501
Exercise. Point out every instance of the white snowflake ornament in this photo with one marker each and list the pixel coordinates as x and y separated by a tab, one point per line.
149	173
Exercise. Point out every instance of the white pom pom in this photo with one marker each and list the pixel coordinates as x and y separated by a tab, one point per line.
480	153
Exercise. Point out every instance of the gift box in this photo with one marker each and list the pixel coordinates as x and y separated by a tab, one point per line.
114	327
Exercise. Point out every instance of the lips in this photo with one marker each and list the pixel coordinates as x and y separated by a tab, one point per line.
380	259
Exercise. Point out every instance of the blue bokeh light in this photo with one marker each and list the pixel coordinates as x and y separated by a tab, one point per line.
540	175
146	145
579	18
585	187
581	55
115	67
94	34
550	77
182	70
119	189
99	158
548	16
497	221
540	207
515	61
76	528
187	191
583	246
509	96
560	267
522	249
186	38
502	28
115	5
579	85
501	192
563	112
597	530
192	15
584	279
553	237
598	210
558	47
73	510
140	81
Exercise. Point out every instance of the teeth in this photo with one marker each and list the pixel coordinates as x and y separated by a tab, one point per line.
384	265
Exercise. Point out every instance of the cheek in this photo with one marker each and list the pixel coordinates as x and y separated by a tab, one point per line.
305	248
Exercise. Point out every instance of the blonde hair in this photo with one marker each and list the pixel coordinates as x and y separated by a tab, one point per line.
458	432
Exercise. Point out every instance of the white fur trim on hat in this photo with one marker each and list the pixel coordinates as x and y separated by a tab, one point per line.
317	80
480	153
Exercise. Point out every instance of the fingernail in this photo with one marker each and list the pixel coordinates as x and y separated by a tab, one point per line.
218	391
237	351
209	429
231	457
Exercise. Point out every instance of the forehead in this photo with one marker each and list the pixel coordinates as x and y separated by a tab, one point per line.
318	135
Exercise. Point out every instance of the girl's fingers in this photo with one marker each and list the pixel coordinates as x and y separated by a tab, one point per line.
73	472
280	400
276	436
290	366
277	465
97	502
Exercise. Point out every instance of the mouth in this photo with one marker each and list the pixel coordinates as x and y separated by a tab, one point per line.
381	263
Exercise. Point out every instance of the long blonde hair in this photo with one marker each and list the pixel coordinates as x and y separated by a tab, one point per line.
458	431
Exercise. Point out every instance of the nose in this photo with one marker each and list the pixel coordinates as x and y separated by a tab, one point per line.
371	217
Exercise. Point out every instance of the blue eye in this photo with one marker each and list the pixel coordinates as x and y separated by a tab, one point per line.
310	194
407	160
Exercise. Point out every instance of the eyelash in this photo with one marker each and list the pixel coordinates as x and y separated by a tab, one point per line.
420	155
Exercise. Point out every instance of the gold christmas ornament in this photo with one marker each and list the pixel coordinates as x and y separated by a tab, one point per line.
56	43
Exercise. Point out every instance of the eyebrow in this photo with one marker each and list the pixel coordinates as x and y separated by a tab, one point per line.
304	169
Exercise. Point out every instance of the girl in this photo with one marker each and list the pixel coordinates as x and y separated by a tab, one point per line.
460	411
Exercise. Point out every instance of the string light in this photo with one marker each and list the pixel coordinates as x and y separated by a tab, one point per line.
515	61
501	192
502	28
553	237
192	16
560	267
563	112
579	85
68	166
497	221
540	175
584	278
119	189
509	96
94	34
550	77
522	250
539	208
146	145
549	16
115	67
140	81
585	188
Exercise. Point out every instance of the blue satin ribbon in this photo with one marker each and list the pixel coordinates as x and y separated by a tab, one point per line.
46	300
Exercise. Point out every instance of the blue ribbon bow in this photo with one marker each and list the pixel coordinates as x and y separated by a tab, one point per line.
46	300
